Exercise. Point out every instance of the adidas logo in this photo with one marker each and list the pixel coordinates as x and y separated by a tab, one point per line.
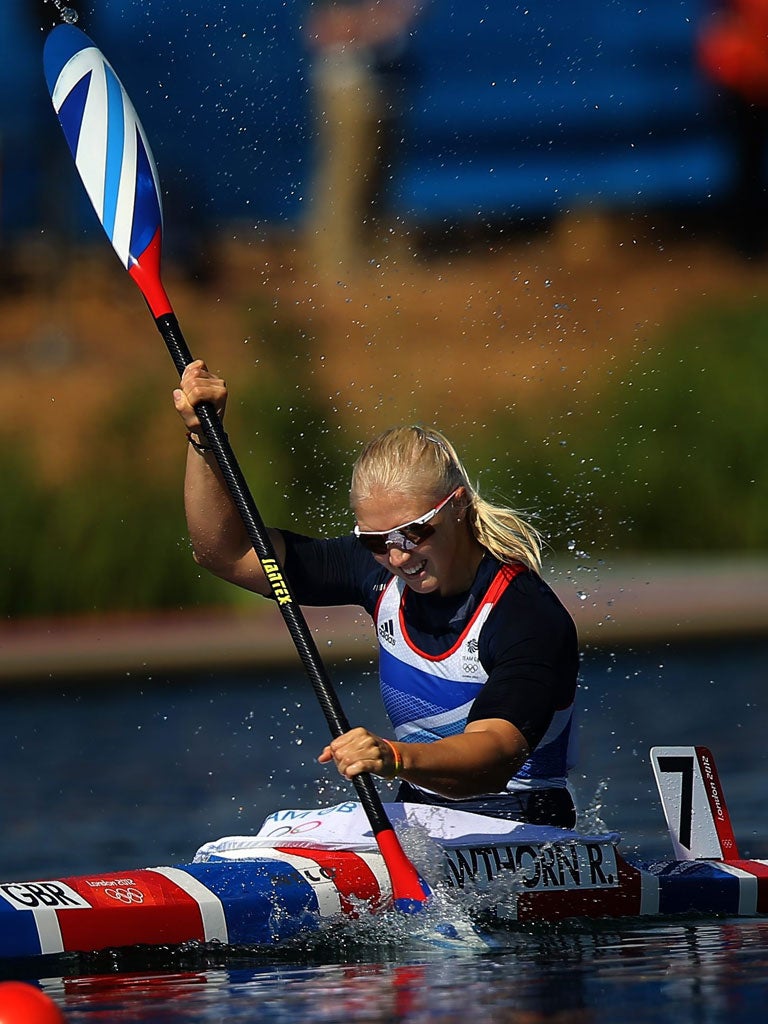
387	632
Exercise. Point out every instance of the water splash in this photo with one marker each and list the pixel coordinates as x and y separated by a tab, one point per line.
67	14
443	925
591	819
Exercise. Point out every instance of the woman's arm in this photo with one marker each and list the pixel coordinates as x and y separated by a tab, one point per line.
220	542
480	760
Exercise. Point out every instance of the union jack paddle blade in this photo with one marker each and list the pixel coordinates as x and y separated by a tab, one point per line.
109	146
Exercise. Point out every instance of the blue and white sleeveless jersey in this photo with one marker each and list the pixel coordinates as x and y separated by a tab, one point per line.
428	697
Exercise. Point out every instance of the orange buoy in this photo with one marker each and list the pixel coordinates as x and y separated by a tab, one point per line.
22	1003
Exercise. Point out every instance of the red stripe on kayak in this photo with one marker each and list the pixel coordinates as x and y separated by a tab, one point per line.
126	909
352	877
760	872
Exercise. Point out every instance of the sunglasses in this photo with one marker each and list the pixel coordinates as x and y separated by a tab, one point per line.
405	537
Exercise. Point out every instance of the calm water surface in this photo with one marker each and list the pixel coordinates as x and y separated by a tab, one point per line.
135	772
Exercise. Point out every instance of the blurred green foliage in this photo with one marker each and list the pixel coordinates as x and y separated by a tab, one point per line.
669	457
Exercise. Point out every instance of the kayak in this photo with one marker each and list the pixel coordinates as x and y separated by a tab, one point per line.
308	871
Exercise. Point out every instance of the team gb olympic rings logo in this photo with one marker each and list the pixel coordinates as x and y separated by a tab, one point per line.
126	895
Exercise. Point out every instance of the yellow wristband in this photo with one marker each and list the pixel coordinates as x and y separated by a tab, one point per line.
397	756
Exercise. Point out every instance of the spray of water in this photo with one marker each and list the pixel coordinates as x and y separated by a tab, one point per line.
67	14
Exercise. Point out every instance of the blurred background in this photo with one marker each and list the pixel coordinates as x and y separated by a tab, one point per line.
539	227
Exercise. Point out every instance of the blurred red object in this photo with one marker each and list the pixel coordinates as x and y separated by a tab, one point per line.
733	49
22	1003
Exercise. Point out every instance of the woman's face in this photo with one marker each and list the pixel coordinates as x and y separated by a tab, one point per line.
445	562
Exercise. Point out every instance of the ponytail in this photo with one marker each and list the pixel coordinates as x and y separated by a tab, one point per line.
507	536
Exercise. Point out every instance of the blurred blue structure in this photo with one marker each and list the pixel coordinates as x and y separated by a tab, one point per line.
24	118
222	92
509	110
529	109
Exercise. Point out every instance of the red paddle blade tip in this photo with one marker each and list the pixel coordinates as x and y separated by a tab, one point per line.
145	271
409	890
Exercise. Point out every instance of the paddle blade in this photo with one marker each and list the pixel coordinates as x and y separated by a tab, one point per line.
410	892
111	154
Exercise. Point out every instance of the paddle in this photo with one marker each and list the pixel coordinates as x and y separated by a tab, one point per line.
115	162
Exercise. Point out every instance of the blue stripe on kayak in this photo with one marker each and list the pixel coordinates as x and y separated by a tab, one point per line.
115	150
265	901
18	932
697	887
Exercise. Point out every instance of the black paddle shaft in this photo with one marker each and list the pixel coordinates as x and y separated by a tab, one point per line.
303	640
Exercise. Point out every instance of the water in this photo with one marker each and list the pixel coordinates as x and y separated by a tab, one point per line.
67	14
136	772
675	974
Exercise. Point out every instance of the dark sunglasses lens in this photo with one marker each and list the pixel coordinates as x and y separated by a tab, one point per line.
416	533
406	539
374	542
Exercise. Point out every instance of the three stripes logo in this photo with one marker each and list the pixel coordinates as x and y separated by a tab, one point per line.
387	632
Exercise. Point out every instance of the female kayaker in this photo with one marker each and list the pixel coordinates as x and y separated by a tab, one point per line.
478	659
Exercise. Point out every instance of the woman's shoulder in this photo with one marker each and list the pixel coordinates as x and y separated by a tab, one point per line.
530	622
529	598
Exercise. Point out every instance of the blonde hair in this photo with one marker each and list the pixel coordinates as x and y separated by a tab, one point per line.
414	461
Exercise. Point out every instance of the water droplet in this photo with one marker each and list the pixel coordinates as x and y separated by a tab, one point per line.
68	14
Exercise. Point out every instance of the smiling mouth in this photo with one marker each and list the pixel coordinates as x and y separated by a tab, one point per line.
415	570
